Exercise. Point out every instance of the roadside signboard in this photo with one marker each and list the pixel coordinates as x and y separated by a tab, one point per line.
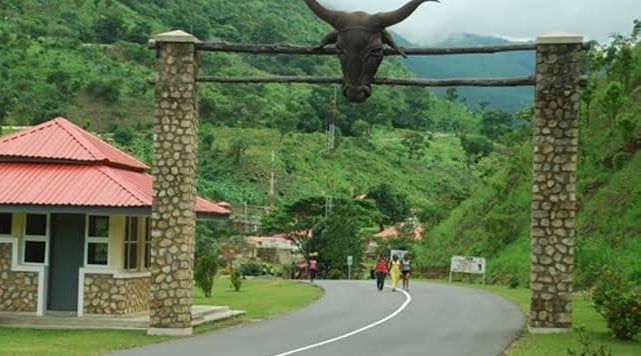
350	260
465	264
398	253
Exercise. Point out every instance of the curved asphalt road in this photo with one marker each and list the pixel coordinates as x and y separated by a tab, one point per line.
439	320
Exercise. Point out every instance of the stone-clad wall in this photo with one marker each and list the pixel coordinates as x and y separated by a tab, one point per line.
558	70
105	294
174	168
18	290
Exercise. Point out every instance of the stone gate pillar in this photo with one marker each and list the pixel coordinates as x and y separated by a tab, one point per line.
558	74
174	168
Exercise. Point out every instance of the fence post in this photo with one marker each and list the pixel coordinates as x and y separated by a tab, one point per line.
174	167
558	74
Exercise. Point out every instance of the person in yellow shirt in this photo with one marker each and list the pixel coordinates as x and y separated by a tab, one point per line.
395	272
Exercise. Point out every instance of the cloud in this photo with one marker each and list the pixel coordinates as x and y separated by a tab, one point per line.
522	19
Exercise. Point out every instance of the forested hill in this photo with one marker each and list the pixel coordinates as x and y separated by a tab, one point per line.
88	60
495	221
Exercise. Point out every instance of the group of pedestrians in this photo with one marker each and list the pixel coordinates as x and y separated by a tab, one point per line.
396	269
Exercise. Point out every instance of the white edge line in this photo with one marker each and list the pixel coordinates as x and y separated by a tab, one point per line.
408	299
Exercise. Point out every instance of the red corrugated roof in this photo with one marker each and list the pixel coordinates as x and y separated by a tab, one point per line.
59	139
63	165
80	185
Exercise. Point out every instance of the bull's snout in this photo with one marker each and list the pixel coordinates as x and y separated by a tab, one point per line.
357	93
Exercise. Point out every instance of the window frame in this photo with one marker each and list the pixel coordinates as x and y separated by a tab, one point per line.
10	224
35	238
97	240
147	245
131	244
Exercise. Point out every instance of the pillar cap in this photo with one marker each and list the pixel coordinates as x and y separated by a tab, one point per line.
176	36
559	38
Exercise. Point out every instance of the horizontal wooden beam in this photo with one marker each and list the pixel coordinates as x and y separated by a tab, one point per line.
306	50
478	82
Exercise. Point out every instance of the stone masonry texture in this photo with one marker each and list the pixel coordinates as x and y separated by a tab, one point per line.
174	167
558	70
105	294
18	290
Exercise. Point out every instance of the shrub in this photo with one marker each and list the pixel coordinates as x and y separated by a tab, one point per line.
587	347
619	303
336	273
250	269
236	279
205	272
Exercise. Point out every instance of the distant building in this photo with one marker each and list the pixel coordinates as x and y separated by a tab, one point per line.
74	223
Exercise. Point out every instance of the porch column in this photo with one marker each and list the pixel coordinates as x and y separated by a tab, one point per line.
558	73
174	167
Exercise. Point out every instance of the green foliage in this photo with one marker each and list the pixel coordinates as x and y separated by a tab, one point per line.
237	149
612	100
587	349
619	303
393	204
250	269
335	238
205	273
496	124
415	144
123	136
476	147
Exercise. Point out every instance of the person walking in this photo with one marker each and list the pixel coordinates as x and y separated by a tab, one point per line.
381	272
405	269
395	272
313	268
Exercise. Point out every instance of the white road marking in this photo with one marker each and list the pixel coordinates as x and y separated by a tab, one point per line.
408	299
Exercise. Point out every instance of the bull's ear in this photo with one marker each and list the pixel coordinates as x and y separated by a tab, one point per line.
388	40
331	38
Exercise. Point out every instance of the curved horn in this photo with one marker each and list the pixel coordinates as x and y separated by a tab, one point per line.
386	19
332	17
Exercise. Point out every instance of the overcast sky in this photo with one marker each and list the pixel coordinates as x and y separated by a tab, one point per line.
518	19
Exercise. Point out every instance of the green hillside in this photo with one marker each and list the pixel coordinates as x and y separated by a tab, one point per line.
494	222
509	64
88	61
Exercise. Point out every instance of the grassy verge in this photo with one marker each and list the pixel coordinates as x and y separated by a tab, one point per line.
260	298
558	344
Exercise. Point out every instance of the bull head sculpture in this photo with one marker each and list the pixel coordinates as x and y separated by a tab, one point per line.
359	38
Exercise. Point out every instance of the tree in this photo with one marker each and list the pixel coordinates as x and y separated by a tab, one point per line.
415	143
475	147
205	272
109	27
495	124
335	238
393	205
612	100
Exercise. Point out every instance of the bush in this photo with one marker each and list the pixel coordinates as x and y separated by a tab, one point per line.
205	272
250	269
336	273
587	347
619	303
236	280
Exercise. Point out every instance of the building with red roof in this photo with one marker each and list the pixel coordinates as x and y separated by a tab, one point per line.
75	223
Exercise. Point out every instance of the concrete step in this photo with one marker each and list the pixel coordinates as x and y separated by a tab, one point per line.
222	315
201	311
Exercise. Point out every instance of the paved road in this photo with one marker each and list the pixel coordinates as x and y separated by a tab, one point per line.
439	320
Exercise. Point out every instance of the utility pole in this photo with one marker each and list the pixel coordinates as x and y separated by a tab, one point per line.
331	146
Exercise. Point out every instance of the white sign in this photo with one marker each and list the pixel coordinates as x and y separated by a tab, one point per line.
464	264
398	253
350	260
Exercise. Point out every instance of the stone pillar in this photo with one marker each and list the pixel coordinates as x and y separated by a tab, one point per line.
558	74
174	168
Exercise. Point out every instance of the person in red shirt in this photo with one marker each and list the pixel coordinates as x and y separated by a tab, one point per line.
381	272
312	268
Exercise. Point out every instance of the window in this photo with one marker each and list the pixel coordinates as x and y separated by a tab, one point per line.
131	243
5	223
147	243
36	239
97	248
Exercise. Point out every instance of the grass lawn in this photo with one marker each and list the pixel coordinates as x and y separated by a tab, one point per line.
260	298
557	344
